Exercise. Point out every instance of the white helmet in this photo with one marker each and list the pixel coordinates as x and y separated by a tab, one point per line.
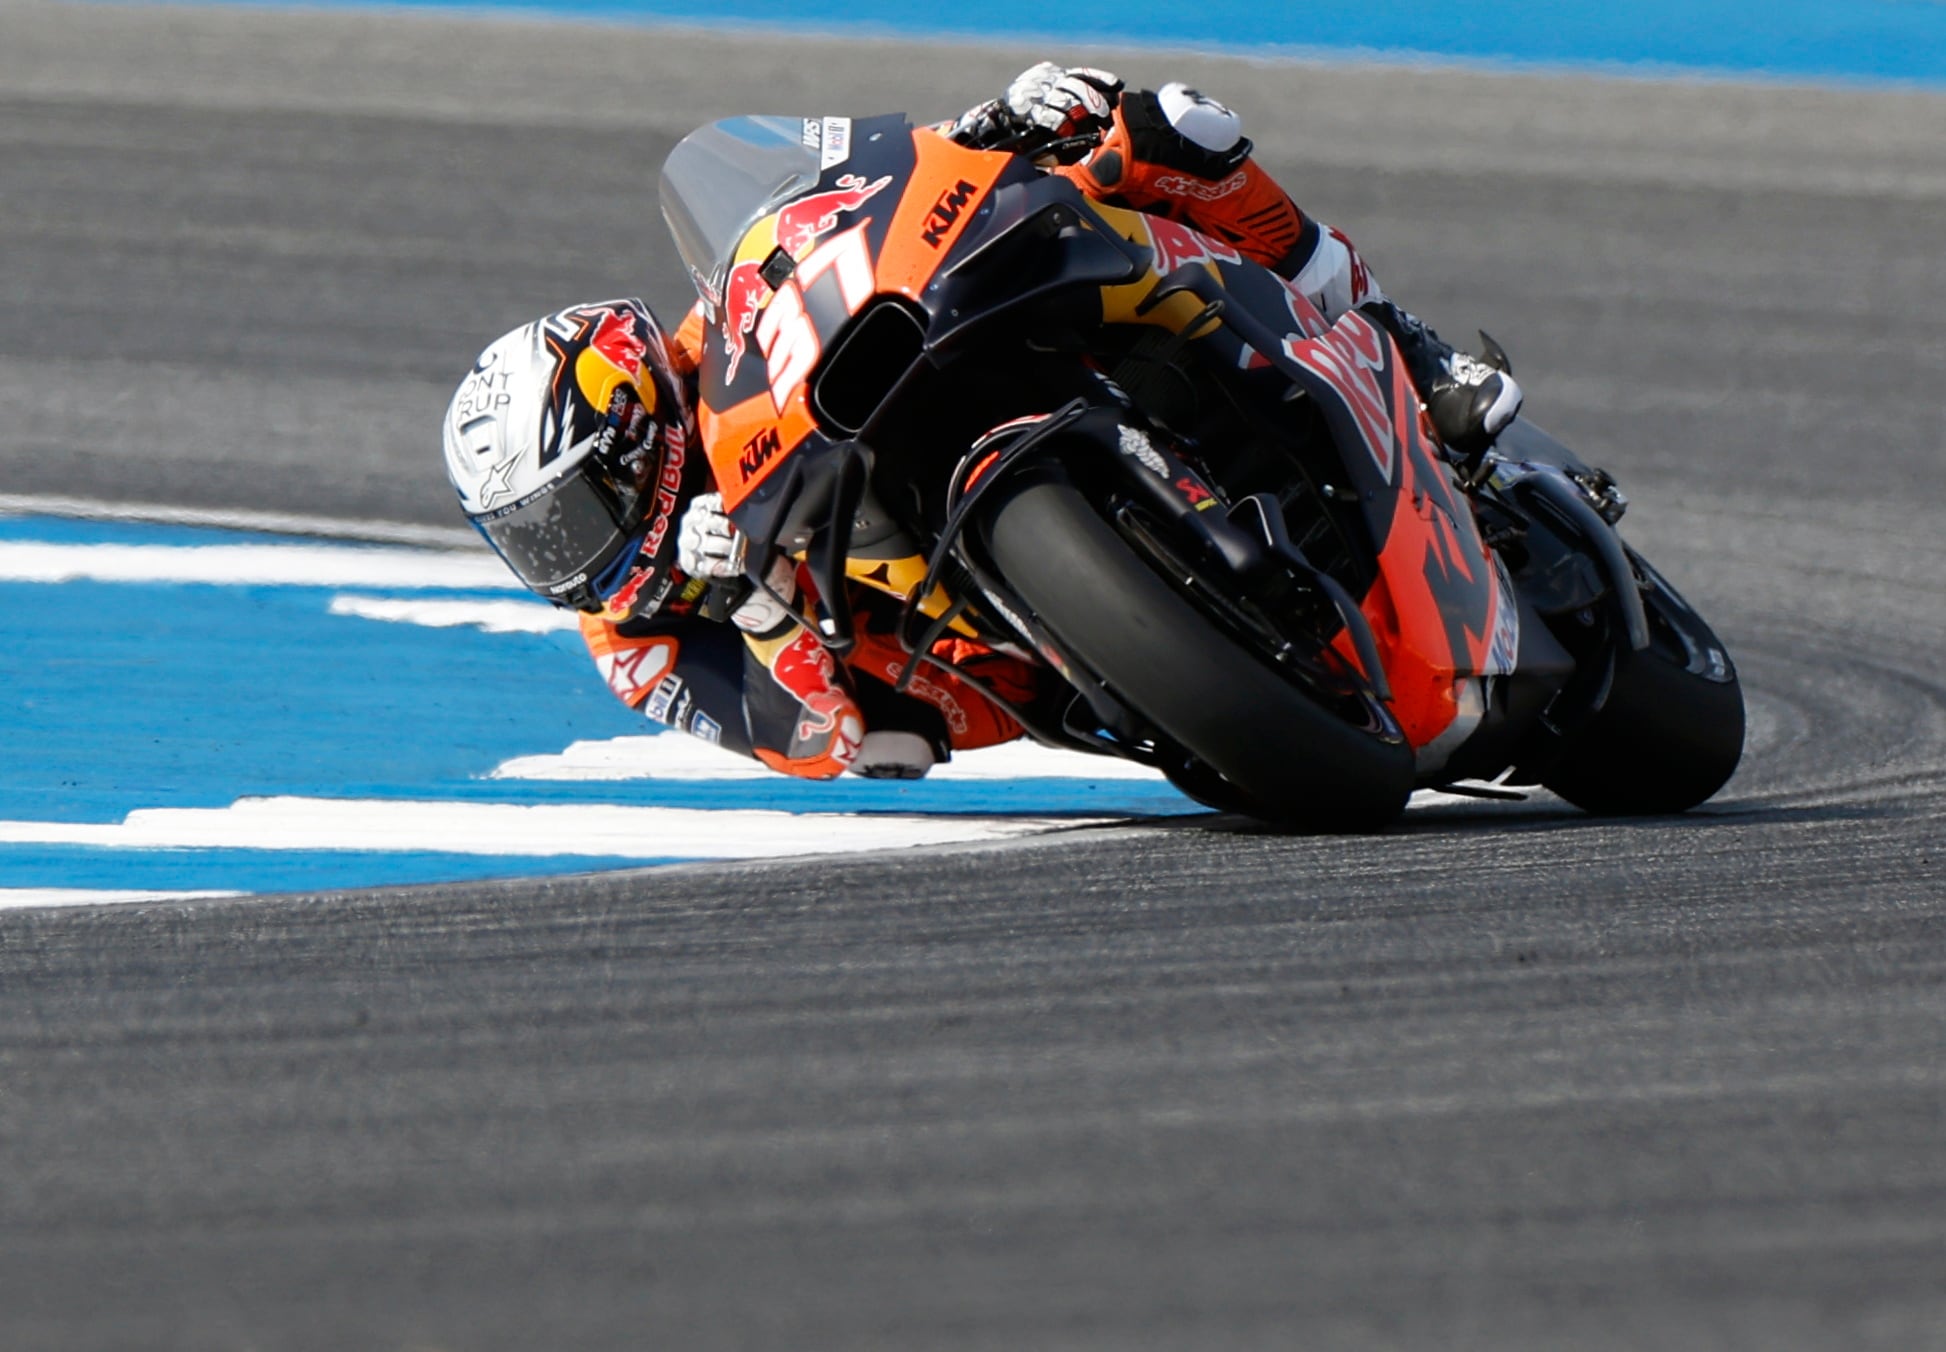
569	442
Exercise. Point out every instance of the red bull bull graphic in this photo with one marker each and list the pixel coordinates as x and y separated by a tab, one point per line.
799	225
744	294
618	340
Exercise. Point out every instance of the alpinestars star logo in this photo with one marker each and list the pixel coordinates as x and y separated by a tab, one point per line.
496	486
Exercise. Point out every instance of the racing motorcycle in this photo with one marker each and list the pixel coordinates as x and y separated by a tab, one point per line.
951	383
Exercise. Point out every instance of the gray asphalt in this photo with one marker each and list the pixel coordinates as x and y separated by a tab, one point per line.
1505	1077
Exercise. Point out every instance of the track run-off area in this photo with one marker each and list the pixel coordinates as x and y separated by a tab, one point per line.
318	713
1504	1076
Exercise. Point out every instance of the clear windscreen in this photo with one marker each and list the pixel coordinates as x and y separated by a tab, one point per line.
723	178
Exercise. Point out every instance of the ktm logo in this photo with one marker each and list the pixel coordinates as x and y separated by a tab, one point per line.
945	211
757	452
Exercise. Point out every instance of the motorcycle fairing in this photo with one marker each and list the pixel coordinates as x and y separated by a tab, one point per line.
1440	608
881	223
884	222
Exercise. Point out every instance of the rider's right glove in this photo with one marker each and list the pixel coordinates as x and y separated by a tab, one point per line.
709	545
1045	103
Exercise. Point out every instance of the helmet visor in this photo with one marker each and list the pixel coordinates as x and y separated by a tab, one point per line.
561	539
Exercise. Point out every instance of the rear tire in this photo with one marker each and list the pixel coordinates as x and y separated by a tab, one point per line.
1289	759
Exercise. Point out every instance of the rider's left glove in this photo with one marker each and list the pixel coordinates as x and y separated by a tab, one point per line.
1064	101
1044	104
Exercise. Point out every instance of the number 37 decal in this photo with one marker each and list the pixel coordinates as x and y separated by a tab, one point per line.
785	334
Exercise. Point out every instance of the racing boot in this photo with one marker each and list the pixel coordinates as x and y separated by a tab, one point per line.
1469	400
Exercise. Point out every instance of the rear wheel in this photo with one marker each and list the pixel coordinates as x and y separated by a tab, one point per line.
1286	758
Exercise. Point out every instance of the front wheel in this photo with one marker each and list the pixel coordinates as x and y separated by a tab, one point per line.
1287	758
1671	731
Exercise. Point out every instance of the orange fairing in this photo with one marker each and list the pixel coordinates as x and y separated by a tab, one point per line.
1435	608
748	442
787	334
947	184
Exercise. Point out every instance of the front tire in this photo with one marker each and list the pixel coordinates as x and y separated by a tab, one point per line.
1669	735
1288	759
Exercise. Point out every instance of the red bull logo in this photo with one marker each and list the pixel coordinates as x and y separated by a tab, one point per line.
804	667
1176	245
618	342
744	293
800	223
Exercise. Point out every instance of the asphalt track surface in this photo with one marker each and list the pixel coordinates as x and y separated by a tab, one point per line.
1504	1077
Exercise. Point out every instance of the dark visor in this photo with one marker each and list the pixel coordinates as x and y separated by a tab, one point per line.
561	540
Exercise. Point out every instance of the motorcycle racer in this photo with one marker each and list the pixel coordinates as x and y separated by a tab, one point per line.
573	446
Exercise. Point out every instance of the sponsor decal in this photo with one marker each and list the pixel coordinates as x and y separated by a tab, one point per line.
803	222
836	138
937	696
799	225
1176	245
804	668
757	452
661	700
668	487
1136	443
625	417
1195	494
629	671
1202	189
813	137
945	211
497	485
617	341
1503	652
705	727
744	294
1351	355
622	604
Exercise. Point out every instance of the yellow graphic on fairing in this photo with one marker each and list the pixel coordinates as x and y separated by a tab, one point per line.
900	578
1166	241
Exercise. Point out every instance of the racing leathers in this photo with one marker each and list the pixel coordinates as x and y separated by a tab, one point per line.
763	685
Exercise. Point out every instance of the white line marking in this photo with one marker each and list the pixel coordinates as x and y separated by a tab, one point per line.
672	755
547	829
492	617
254	565
278	523
22	898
